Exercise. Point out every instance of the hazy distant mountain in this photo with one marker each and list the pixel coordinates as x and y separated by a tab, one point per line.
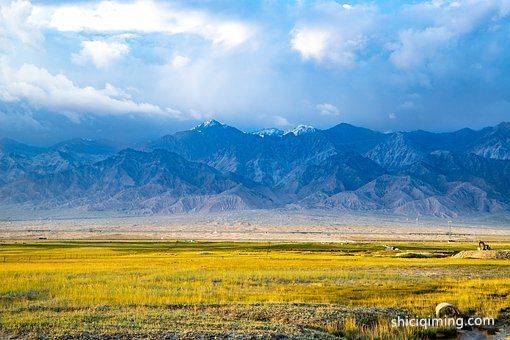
158	181
495	143
264	160
338	173
10	168
396	152
452	141
17	158
491	142
87	147
349	137
218	167
11	147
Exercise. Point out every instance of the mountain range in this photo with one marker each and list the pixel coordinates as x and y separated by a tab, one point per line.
216	167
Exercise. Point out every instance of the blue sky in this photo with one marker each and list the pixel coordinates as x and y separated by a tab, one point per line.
131	70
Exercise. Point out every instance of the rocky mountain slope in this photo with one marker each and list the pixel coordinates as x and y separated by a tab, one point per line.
216	167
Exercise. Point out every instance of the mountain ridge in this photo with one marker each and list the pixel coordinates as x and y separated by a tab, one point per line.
217	167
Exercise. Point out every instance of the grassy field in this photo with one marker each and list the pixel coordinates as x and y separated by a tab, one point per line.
152	289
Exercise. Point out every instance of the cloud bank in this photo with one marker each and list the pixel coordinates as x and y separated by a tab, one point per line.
56	92
433	64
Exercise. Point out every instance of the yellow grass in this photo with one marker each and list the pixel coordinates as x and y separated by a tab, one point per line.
49	284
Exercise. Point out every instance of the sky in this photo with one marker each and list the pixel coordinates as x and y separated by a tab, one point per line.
135	70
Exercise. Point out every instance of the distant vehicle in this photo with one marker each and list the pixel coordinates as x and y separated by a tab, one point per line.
483	246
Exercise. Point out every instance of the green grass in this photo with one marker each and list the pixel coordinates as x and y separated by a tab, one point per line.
150	288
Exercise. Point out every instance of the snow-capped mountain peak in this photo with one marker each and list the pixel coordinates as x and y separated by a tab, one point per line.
301	130
208	124
267	132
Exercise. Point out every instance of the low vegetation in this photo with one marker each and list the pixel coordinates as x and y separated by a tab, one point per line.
221	289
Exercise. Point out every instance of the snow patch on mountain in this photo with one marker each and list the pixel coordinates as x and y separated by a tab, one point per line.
269	132
208	124
301	130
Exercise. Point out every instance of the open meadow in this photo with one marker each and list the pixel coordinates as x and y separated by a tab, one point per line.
220	289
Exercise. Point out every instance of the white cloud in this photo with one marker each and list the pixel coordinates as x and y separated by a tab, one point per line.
197	115
337	36
17	20
146	17
445	22
280	121
311	43
102	53
417	47
326	109
229	34
323	44
180	61
408	105
392	115
19	121
459	17
416	34
273	121
442	41
175	113
57	93
190	114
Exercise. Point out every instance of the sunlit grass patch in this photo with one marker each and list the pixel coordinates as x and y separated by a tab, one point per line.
111	287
